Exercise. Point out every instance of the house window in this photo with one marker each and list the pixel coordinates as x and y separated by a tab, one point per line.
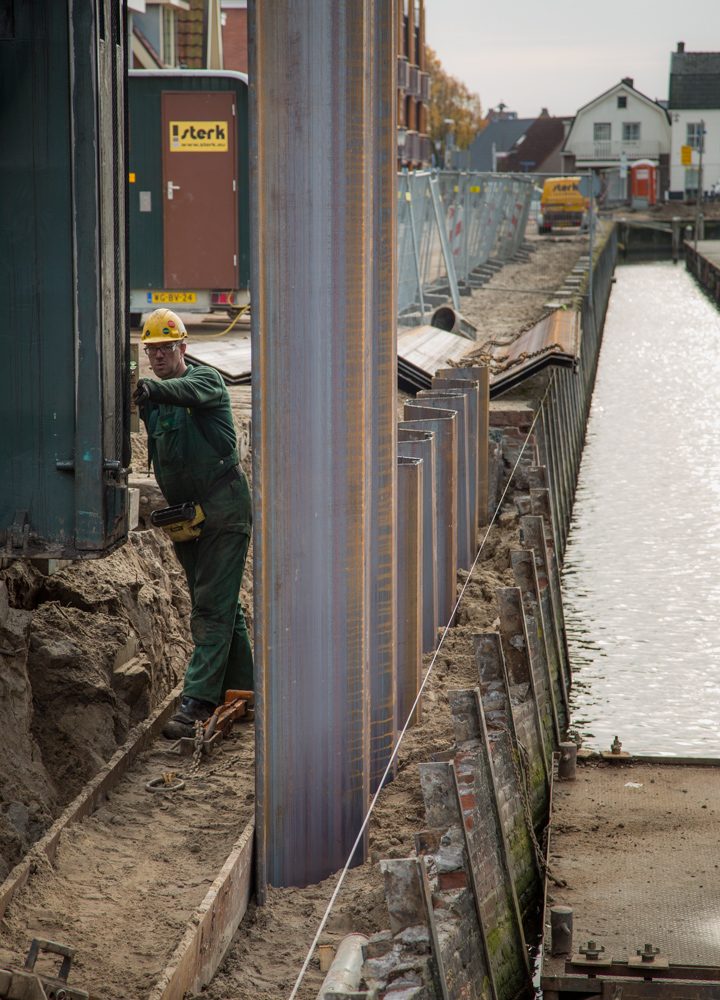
691	182
631	131
694	132
622	101
601	131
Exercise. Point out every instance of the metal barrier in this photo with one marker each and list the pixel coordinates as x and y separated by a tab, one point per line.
449	224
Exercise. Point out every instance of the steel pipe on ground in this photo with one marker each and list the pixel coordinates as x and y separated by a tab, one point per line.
409	537
413	443
443	424
344	975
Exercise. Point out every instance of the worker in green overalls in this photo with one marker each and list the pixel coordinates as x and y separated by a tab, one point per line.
192	445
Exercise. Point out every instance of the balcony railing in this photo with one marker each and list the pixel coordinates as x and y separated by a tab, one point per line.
402	72
612	149
413	85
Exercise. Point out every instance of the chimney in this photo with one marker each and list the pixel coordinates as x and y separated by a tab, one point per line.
544	113
681	46
628	81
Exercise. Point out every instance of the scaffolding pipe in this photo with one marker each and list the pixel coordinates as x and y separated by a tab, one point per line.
311	169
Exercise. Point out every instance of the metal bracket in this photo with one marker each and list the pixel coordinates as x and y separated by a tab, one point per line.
20	530
186	745
26	982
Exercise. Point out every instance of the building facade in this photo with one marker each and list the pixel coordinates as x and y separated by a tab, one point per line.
612	131
172	34
235	34
414	146
694	107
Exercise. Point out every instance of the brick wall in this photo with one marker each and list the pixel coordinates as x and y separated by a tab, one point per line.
235	44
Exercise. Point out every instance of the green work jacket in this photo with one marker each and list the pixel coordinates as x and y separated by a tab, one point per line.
192	443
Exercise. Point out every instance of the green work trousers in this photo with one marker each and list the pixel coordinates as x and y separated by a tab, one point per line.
222	658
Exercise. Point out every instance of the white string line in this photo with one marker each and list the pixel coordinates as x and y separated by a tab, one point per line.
393	755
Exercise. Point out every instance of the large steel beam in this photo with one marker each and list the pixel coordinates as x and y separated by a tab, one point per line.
311	185
382	300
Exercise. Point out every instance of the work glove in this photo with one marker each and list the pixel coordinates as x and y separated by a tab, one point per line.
142	392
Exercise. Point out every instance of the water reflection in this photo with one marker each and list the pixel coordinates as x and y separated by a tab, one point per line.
642	572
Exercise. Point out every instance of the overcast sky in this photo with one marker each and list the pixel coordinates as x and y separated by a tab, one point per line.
560	55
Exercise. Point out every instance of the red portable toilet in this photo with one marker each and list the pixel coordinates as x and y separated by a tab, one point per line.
643	183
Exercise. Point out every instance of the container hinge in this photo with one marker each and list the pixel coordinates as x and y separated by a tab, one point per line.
65	465
235	260
233	107
234	185
20	530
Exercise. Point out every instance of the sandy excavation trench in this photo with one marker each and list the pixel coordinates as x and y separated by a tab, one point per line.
128	878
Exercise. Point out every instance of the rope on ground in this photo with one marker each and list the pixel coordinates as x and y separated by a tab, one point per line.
401	735
216	336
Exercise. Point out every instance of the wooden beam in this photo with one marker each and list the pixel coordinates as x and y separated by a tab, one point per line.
90	797
210	929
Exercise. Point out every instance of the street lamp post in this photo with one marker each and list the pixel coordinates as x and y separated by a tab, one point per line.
449	142
699	218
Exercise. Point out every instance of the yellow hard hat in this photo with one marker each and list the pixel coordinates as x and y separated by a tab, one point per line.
163	326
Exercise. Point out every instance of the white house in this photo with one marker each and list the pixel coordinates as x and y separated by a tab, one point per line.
694	103
613	130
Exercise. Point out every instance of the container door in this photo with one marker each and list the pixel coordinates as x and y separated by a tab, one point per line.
200	229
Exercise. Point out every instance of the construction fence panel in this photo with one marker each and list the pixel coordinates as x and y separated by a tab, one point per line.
449	224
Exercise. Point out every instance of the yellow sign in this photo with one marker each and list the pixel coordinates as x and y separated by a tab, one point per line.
198	137
154	297
686	156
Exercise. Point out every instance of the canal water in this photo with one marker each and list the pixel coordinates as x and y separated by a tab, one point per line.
641	579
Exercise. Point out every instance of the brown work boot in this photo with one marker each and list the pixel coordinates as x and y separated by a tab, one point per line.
182	724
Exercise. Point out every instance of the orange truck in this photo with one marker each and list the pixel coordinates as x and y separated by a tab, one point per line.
562	205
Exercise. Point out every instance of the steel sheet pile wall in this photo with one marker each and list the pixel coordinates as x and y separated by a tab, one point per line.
64	449
702	260
464	909
382	301
323	350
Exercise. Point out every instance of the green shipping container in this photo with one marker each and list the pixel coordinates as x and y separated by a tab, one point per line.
188	191
64	445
